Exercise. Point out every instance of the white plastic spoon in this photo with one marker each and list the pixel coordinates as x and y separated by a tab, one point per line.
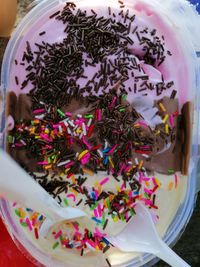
17	185
140	235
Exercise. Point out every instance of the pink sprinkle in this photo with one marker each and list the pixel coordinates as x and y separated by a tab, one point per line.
69	164
75	226
56	236
113	102
99	115
55	126
96	194
69	114
91	243
43	163
176	180
140	178
19	145
37	111
14	204
146	179
72	196
142	124
85	159
122	186
96	213
131	194
86	143
171	120
104	181
148	202
149	192
112	150
99	210
55	131
98	233
127	169
46	137
79	122
112	171
121	169
29	224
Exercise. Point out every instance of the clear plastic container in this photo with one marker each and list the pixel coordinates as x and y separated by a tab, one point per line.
29	23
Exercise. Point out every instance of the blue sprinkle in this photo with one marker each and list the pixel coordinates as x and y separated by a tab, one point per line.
96	220
105	160
106	150
106	241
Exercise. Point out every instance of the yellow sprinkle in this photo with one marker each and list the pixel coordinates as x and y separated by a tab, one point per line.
111	162
79	130
37	137
165	118
140	165
82	154
46	131
158	182
97	248
158	132
22	213
118	188
66	171
89	172
96	184
162	107
115	219
167	128
111	197
170	186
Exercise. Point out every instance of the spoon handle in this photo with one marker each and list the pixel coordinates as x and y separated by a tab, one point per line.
168	255
17	185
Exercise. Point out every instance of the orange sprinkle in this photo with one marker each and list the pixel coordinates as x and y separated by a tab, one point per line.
147	183
47	167
140	165
87	171
73	179
170	186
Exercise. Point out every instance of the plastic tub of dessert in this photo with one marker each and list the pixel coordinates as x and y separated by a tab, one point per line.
99	107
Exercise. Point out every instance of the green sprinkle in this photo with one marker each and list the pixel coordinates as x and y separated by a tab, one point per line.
122	109
124	97
66	202
94	206
24	224
122	217
55	245
61	113
10	139
103	218
89	234
108	203
49	160
146	195
171	171
132	212
89	116
61	238
17	213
